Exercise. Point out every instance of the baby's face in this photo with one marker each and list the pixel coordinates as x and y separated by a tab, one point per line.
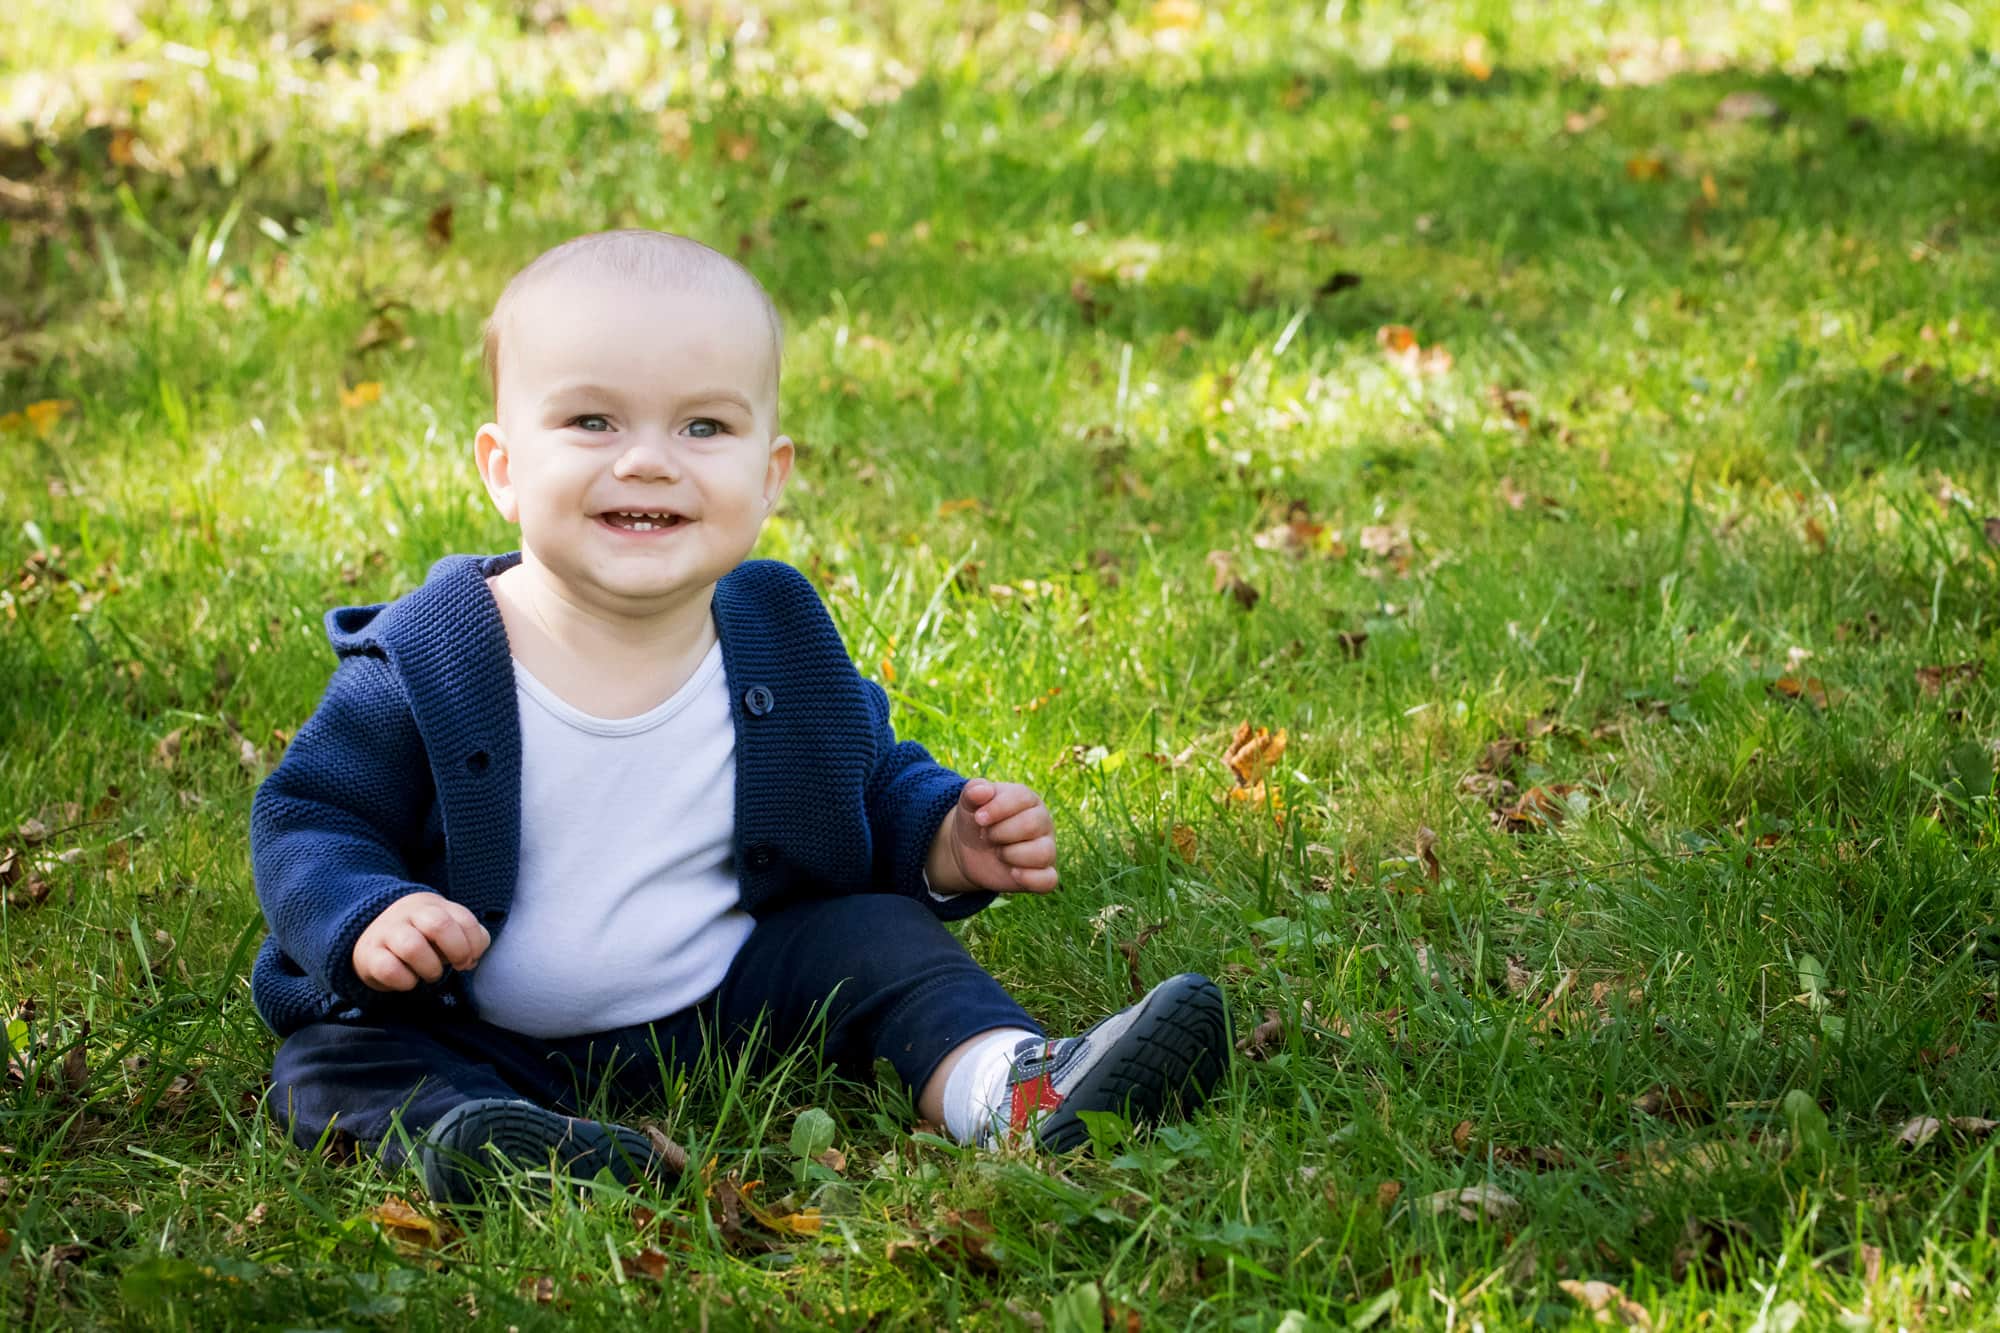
616	399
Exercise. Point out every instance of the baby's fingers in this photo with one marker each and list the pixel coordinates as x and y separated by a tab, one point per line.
381	970
1034	822
452	931
1035	881
415	950
1010	798
1034	854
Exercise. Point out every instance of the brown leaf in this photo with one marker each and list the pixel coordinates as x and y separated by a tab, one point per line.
649	1263
1461	1136
1387	1193
1514	406
1992	528
1087	303
1815	534
1931	680
1519	980
407	1228
1339	282
1227	580
966	1237
1511	494
1351	643
1645	167
1269	1033
1130	948
1185	844
1871	1262
834	1160
1538	808
75	1067
1250	754
1387	541
10	866
34	832
168	751
1680	1105
1427	853
670	1154
1810	689
1607	1303
1399	344
438	226
1502	755
1920	1131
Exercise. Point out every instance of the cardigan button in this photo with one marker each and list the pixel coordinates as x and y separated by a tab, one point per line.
758	700
760	856
477	761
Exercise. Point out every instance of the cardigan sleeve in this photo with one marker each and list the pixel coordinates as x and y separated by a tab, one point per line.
908	794
329	825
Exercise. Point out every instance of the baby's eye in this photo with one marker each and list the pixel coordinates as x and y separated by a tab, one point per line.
703	427
591	421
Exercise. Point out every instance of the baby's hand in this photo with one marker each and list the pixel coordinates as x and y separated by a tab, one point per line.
414	938
1002	838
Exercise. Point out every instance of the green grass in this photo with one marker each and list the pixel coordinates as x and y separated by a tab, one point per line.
1067	266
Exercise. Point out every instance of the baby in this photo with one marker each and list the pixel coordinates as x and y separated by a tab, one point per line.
568	818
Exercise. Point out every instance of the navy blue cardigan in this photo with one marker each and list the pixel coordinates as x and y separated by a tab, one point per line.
407	778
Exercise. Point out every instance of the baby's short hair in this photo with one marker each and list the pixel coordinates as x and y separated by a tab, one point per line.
639	255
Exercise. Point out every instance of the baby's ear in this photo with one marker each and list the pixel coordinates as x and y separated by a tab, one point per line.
777	471
489	451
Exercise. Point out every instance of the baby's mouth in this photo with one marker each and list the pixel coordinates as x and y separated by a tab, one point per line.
641	520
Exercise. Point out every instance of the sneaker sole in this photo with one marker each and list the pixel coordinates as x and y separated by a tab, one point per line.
1170	1058
456	1157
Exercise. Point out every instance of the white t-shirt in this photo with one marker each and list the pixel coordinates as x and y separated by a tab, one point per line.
625	909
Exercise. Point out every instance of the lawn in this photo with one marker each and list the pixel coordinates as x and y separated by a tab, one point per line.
1479	519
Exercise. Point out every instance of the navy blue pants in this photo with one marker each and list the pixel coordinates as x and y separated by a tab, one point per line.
880	971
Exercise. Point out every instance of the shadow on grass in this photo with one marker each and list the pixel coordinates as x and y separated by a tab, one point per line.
1486	190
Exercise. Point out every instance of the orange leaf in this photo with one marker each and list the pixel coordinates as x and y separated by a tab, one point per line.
361	395
1645	168
1811	689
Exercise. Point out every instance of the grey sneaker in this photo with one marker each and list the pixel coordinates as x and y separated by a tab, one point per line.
1160	1057
477	1140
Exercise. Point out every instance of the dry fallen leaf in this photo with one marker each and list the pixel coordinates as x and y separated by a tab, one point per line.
649	1262
1916	1133
1399	343
407	1228
1645	168
1427	853
1130	948
438	226
1251	753
1607	1303
1473	1203
1538	808
1388	541
1681	1105
1931	680
1184	843
360	395
1811	689
1269	1033
1387	1193
1229	581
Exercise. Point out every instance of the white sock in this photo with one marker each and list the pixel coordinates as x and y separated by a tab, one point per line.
977	1088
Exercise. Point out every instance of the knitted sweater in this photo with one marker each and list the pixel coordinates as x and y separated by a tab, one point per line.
407	778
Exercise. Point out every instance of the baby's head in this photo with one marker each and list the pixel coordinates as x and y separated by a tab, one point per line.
634	372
